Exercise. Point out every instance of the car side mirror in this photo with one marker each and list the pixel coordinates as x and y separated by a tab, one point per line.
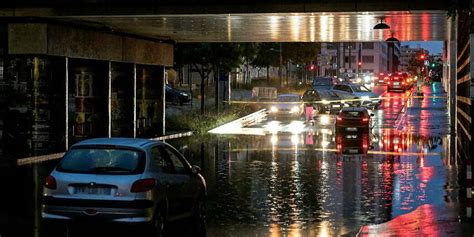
196	169
372	115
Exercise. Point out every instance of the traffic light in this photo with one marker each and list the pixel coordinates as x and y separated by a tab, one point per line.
422	57
312	67
359	63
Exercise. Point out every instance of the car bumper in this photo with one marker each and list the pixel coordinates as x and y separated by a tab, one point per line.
73	210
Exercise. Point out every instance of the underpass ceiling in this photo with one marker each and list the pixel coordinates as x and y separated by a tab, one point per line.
283	27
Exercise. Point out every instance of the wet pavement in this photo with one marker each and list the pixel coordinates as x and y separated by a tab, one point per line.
293	182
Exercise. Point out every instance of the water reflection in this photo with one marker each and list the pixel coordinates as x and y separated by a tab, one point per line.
298	185
290	184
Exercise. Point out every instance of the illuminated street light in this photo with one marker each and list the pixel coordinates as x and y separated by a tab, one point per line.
381	25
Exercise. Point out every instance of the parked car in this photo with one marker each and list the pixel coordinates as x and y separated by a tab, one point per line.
398	82
177	96
324	83
323	100
287	105
382	79
361	95
354	119
123	181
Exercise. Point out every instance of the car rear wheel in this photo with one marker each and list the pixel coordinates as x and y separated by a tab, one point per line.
199	216
158	225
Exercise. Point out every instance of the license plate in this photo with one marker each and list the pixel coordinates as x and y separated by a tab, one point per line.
353	151
351	129
336	106
92	190
396	83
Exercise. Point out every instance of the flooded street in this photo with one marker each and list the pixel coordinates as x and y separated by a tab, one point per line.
302	183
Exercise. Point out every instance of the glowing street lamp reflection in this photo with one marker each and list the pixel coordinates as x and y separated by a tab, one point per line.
273	127
274	140
296	127
324	120
295	139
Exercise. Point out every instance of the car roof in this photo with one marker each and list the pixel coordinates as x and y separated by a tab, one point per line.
347	84
119	141
353	109
288	95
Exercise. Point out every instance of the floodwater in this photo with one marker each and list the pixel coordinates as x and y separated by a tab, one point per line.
308	181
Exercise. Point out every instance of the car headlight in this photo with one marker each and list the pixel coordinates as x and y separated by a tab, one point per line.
183	94
295	109
359	80
273	109
367	79
325	102
365	98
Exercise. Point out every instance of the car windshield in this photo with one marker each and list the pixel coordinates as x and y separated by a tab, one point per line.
360	89
288	98
91	160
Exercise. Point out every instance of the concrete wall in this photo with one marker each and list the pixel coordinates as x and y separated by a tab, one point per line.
58	40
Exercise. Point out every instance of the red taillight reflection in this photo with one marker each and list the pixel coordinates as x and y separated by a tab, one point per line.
143	185
50	182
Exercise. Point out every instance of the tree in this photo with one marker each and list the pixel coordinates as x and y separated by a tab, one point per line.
249	52
267	55
197	55
205	58
300	54
224	57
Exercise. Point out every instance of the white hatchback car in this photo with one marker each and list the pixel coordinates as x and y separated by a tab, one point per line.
123	180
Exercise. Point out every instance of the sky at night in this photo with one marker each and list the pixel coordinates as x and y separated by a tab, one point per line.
435	47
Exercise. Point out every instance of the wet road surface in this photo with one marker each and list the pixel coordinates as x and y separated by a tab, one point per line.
292	182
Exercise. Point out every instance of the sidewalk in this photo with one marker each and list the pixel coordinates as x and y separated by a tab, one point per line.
426	115
426	220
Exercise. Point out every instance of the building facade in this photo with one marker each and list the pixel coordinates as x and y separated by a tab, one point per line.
361	57
407	53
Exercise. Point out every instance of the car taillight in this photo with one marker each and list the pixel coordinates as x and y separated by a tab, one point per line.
50	182
388	82
365	120
143	185
339	118
403	83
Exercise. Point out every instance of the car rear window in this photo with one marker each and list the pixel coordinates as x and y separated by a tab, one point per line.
323	81
354	114
92	160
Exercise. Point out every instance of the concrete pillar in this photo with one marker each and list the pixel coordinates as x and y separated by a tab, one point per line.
66	103
162	101
452	74
134	100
